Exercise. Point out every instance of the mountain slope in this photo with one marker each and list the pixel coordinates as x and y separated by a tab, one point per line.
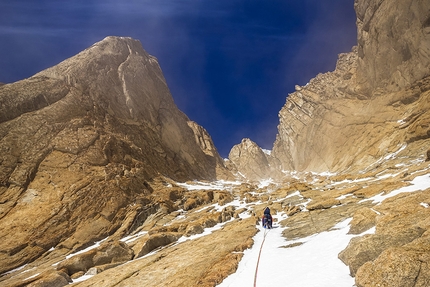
376	101
79	143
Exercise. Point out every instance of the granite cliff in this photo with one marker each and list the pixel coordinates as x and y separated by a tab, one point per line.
373	103
79	143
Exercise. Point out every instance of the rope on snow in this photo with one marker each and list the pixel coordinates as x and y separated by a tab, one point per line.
259	254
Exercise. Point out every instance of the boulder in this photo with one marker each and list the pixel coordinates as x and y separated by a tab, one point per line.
157	240
111	252
368	247
53	279
323	204
395	267
291	210
363	219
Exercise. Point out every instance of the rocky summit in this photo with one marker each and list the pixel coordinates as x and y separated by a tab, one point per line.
104	182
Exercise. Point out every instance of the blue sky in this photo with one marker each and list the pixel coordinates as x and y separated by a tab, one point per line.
230	64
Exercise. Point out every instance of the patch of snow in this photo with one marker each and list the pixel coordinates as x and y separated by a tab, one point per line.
294	194
207	231
215	185
236	203
377	212
292	266
204	208
32	276
349	181
418	183
14	270
131	238
267	151
97	244
394	154
370	231
82	278
382	176
244	215
266	182
343	196
241	174
424	204
324	173
293	174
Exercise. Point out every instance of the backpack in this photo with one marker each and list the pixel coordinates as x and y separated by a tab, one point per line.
267	220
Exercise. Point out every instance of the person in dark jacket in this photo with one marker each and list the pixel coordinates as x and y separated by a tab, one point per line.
267	218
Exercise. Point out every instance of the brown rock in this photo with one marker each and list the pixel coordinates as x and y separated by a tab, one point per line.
394	267
368	247
363	219
306	223
323	125
80	143
402	221
250	160
207	260
55	279
324	204
393	43
293	210
157	240
194	229
107	253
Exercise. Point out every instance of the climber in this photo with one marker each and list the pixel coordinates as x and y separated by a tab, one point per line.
267	218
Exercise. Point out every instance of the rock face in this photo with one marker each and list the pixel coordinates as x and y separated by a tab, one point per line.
396	255
393	43
324	125
375	95
79	143
251	161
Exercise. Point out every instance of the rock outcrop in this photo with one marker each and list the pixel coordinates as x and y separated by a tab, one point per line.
393	44
80	143
335	123
376	92
252	162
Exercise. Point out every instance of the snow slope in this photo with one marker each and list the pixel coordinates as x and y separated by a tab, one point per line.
314	263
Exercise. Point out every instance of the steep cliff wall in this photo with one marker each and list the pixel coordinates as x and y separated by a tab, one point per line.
370	106
79	143
393	43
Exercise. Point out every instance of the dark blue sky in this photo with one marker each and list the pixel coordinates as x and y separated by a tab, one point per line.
230	64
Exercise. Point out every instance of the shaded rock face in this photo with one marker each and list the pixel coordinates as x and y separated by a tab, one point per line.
335	123
393	43
374	96
79	143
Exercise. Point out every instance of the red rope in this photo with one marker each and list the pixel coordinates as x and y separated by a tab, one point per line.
259	254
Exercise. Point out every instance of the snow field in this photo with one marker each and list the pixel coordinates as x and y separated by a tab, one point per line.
314	263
